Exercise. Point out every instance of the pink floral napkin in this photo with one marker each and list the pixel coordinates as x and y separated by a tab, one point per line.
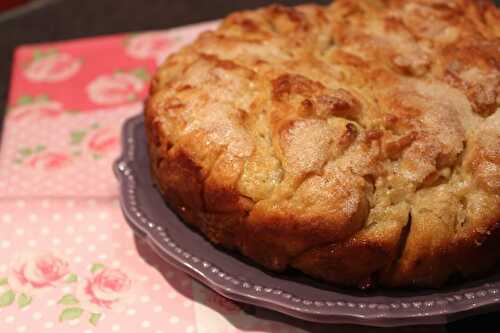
68	261
67	103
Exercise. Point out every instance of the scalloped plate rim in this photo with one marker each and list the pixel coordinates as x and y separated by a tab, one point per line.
366	316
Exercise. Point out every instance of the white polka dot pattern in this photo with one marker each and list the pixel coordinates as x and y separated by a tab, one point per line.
78	240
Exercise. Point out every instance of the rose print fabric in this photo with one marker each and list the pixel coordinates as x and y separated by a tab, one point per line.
150	45
117	88
73	265
51	66
63	154
68	260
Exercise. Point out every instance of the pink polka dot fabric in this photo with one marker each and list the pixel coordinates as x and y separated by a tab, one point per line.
68	260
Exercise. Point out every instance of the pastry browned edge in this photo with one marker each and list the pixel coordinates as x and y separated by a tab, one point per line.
357	142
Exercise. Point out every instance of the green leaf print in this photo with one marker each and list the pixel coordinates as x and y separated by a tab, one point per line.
76	137
23	100
96	267
25	151
3	281
42	98
71	278
141	73
70	314
94	318
39	148
37	54
7	298
68	299
24	300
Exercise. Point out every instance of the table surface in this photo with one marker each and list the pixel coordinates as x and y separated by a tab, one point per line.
51	20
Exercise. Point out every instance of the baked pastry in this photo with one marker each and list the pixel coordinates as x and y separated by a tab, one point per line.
357	142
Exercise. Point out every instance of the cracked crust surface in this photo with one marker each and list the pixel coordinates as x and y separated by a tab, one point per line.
357	142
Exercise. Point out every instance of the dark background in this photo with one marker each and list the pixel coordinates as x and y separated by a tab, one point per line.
53	20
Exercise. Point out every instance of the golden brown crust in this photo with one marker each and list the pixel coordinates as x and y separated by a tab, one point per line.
359	142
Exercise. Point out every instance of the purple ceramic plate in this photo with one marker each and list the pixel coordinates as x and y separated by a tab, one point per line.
291	293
